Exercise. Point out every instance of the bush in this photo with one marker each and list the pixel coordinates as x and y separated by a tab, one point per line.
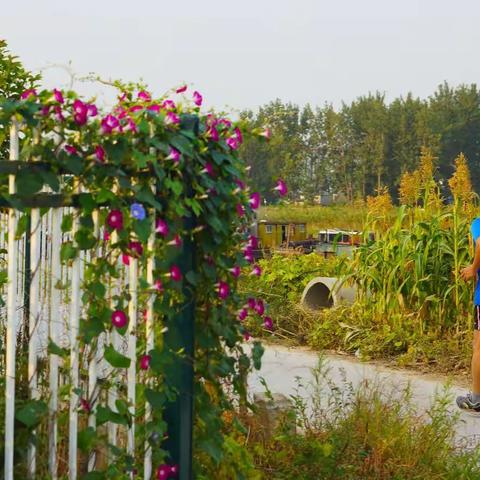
366	433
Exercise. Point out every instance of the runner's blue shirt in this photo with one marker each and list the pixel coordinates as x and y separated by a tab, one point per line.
475	230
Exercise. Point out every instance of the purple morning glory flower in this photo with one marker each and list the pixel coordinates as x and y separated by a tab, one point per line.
137	211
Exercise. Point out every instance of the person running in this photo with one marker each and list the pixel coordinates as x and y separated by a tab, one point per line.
471	401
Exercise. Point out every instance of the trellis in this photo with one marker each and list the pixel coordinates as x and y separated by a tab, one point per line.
47	317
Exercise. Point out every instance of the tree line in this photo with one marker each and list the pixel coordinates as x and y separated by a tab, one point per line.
365	145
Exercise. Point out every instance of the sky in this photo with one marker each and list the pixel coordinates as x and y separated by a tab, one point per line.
246	53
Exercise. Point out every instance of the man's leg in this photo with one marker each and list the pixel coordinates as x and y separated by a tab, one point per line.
471	401
476	367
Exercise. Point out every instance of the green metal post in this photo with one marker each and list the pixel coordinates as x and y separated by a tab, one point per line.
180	336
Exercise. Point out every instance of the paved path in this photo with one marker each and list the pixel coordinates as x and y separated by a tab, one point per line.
281	365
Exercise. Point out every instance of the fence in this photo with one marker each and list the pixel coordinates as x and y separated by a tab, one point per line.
42	320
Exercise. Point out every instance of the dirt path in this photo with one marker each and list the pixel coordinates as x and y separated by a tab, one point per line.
282	365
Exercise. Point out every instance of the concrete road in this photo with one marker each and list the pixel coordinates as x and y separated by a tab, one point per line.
283	367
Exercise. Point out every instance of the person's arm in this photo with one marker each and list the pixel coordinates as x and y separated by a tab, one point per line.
470	272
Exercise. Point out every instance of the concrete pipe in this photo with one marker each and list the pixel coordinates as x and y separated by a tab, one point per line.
326	292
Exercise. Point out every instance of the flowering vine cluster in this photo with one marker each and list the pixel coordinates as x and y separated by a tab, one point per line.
139	171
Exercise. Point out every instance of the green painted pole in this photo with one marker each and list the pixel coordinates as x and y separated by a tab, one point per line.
180	336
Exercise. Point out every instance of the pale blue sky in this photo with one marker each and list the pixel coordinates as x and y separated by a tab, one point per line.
245	53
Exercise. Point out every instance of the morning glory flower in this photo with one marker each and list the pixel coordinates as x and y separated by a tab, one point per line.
197	98
254	200
266	133
119	319
172	119
256	271
70	149
92	110
235	271
173	155
145	96
175	273
145	362
238	135
161	227
176	242
240	210
268	323
168	105
242	315
57	95
100	153
281	187
181	89
232	142
115	220
135	248
29	94
260	307
137	211
223	290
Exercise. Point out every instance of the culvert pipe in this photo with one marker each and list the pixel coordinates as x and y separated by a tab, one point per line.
327	292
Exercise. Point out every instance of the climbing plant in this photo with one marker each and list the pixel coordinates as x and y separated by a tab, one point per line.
149	165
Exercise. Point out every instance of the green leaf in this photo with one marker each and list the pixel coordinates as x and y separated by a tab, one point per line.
183	145
28	182
86	439
87	202
105	414
85	239
32	413
74	164
116	359
174	185
155	399
143	228
67	251
55	349
91	328
50	179
67	223
117	151
22	226
257	353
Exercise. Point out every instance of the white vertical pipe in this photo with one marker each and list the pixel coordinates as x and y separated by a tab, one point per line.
147	467
12	316
114	341
55	331
92	366
74	362
132	347
33	321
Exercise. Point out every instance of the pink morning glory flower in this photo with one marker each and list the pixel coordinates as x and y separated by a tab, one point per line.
197	98
163	472
115	220
246	336
236	271
281	187
238	135
135	108
92	110
242	315
161	227
100	153
175	273
176	242
131	125
212	134
144	96
85	404
256	270
268	323
119	319
252	242
70	149
260	307
106	235
135	248
208	169
108	123
181	89
240	184
266	133
232	142
251	303
29	94
174	469
254	200
58	113
174	155
45	110
125	259
137	211
80	119
172	119
169	105
57	95
79	107
225	122
158	286
145	362
154	108
248	255
223	290
240	210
